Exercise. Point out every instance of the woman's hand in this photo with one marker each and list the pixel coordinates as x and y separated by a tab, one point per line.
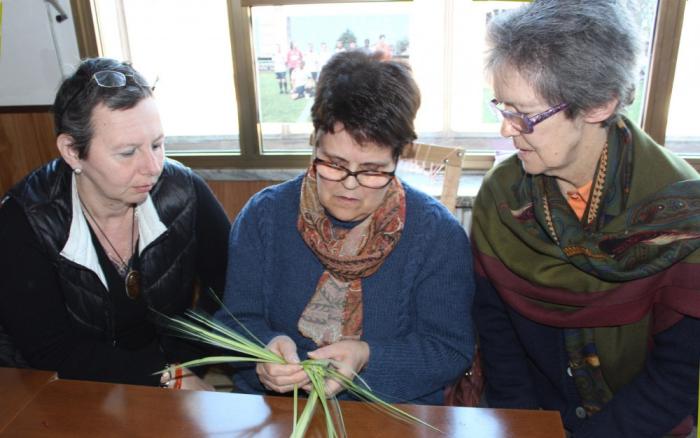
282	378
349	356
192	382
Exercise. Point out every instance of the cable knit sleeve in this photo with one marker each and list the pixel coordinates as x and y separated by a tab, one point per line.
438	339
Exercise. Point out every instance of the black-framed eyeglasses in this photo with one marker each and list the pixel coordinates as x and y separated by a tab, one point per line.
521	122
372	179
110	79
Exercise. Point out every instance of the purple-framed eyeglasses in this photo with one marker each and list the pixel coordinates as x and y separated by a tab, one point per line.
521	122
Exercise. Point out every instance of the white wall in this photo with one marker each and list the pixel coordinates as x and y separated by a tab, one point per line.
36	53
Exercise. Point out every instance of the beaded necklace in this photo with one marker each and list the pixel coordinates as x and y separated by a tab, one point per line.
132	277
594	202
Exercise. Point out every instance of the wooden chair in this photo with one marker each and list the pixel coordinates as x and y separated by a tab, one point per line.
439	159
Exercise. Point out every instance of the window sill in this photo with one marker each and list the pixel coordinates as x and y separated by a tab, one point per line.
468	185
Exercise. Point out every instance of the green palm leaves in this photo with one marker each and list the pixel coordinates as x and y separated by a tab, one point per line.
203	328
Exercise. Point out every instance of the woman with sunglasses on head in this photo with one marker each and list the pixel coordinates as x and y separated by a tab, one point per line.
96	241
586	240
348	263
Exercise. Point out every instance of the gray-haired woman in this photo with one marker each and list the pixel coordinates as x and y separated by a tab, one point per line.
587	239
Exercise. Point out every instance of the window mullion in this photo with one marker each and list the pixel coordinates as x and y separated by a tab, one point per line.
667	37
244	77
85	29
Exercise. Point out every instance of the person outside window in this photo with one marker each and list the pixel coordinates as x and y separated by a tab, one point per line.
280	67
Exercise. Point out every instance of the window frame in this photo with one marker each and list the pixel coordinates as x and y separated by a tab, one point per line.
666	41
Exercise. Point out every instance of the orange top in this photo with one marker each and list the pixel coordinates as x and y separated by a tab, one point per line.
578	199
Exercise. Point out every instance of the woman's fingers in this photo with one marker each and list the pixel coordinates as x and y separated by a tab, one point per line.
281	378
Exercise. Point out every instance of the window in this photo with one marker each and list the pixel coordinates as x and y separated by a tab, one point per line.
205	96
683	130
187	50
291	44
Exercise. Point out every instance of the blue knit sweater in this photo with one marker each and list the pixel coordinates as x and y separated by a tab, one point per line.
417	306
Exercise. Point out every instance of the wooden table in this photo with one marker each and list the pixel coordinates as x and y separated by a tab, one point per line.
66	408
17	388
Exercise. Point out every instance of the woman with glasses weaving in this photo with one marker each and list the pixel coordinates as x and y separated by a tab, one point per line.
586	240
97	239
345	262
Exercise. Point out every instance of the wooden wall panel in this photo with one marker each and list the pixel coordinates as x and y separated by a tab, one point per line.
27	141
234	194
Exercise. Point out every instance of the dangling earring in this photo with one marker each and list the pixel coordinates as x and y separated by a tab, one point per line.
77	170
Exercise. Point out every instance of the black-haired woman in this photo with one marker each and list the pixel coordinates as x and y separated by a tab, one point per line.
94	240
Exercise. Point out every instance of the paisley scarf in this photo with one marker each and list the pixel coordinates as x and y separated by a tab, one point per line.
627	270
348	255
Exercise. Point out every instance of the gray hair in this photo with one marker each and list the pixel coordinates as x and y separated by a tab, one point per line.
79	95
580	52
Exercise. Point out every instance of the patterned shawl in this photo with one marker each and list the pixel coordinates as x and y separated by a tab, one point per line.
628	269
348	255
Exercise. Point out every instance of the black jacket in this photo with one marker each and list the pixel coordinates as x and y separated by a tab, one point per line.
168	264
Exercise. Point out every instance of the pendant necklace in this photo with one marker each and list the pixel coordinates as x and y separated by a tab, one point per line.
132	280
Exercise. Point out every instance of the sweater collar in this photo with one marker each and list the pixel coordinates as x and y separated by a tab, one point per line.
79	247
